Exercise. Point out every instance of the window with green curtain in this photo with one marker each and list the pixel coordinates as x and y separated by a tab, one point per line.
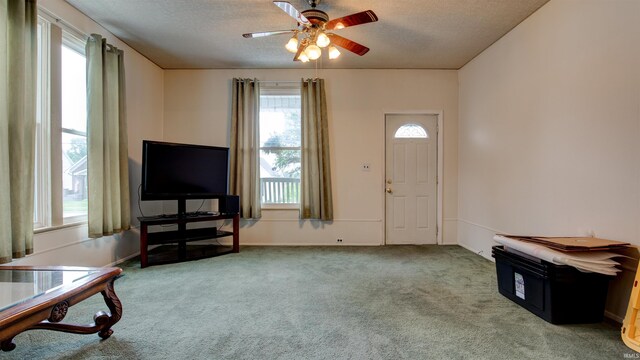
269	137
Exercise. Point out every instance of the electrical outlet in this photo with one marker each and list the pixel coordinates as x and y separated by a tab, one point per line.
339	240
366	167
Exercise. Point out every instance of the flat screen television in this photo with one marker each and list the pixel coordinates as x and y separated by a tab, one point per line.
182	171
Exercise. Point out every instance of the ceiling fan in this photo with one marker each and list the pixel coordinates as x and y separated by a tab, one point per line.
313	33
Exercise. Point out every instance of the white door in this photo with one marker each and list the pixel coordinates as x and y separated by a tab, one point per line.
411	178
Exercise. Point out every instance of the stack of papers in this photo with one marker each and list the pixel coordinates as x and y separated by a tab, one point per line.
586	259
572	243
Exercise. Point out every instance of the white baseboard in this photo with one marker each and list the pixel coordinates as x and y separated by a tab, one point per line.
478	252
115	263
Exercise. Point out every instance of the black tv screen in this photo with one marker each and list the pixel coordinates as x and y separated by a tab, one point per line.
182	171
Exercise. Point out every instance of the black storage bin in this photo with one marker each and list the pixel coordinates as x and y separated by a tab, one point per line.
559	294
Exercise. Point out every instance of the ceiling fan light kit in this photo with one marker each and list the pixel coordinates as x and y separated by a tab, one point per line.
333	52
322	40
313	52
312	32
292	45
303	57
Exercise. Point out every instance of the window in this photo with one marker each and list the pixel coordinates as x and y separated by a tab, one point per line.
411	131
74	128
61	145
280	145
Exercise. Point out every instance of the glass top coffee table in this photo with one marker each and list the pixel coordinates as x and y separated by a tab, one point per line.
39	297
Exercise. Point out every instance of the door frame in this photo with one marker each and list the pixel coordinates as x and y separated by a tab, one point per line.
440	168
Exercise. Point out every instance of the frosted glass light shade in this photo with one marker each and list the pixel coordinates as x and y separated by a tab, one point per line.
333	52
303	57
323	40
292	45
313	52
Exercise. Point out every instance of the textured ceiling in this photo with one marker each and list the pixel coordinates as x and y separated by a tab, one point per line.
207	34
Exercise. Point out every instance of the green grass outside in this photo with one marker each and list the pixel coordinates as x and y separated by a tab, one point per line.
75	205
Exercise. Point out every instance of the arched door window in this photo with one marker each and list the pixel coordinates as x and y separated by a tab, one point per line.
411	131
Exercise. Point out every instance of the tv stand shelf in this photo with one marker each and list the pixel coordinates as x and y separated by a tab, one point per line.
169	237
180	237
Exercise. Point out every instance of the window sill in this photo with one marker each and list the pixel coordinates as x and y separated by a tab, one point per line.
58	227
281	207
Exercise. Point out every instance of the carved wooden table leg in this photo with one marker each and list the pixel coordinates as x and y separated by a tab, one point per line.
46	310
7	345
102	321
115	306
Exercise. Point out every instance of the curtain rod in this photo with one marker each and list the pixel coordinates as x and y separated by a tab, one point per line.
63	24
281	82
278	82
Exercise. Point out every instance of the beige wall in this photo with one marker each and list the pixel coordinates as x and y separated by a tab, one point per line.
549	128
197	110
70	246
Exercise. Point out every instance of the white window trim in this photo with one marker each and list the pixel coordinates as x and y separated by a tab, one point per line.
42	184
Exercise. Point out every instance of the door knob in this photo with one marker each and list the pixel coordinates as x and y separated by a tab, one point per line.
388	190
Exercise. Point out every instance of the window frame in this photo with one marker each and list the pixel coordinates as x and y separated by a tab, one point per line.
406	134
48	192
42	171
287	89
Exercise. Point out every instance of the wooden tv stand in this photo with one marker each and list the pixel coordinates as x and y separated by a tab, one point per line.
181	252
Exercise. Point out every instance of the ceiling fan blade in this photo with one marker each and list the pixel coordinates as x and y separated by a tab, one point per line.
292	11
347	44
352	20
267	33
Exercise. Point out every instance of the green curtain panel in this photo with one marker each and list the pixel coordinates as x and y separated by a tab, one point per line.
109	208
244	171
315	180
18	51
